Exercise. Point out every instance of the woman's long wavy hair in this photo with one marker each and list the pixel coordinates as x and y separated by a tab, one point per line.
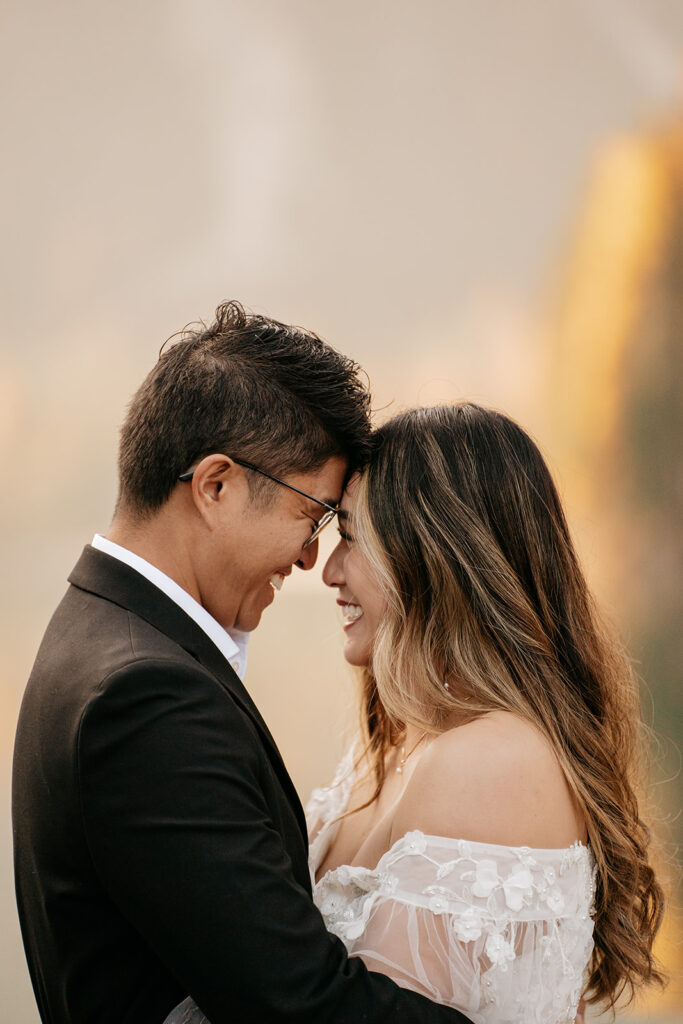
460	521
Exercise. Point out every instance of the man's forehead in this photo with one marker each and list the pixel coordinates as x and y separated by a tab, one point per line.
327	483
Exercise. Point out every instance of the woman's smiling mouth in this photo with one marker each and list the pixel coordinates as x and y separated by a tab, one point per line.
350	613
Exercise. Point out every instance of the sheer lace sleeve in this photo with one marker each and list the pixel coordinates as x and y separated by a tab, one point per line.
502	933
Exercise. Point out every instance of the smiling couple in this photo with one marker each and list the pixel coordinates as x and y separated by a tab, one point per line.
163	867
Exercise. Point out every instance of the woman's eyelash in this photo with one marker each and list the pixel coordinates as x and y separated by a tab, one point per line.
344	535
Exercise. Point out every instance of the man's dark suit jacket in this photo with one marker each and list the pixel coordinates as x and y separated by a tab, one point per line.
160	847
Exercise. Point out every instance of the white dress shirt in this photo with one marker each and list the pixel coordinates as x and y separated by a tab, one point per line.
232	645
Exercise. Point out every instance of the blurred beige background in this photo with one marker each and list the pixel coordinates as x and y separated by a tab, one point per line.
471	199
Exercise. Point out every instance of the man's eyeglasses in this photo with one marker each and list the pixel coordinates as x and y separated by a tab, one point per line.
324	521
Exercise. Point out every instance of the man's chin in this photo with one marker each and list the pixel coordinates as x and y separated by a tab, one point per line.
247	623
248	618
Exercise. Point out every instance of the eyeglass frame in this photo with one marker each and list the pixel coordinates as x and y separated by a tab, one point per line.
320	525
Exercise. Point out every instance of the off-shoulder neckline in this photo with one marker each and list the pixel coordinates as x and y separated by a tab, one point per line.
462	841
418	837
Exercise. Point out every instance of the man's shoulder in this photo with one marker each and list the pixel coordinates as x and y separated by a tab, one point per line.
95	651
103	672
88	632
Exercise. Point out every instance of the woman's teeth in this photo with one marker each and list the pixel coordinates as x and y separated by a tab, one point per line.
351	613
276	581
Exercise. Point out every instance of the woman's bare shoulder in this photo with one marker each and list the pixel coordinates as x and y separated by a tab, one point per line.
493	780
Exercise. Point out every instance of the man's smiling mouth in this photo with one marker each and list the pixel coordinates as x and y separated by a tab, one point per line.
276	580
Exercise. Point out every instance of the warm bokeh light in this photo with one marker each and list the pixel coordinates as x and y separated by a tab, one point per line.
619	420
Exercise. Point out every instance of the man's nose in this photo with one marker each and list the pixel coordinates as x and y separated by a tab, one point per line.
309	555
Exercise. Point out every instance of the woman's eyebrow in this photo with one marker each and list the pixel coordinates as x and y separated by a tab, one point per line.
342	514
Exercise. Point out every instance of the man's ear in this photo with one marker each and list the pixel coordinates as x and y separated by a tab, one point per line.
214	482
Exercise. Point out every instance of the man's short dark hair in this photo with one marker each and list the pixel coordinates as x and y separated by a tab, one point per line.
246	386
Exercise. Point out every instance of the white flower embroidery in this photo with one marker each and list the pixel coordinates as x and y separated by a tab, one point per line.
415	842
467	926
499	951
387	883
518	887
445	869
571	856
438	904
333	904
486	878
343	875
555	901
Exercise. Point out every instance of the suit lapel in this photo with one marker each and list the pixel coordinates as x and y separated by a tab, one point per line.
99	573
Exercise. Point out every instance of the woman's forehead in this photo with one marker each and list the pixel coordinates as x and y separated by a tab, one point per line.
349	496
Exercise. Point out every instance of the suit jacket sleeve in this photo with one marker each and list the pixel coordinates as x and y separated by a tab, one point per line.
181	836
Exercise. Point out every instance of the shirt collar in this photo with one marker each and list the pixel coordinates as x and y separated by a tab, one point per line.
232	644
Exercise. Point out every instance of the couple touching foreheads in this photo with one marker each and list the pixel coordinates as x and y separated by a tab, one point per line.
479	855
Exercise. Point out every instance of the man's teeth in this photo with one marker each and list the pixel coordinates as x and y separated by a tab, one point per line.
351	613
276	581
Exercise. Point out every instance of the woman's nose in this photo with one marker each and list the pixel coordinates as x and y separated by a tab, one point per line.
333	571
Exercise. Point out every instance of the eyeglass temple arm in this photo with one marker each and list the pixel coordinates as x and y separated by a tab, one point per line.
185	477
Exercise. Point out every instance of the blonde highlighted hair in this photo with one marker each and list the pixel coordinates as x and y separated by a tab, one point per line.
462	525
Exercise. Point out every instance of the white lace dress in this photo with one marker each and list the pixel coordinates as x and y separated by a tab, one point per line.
502	933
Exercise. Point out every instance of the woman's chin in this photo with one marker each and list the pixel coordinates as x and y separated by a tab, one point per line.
356	653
